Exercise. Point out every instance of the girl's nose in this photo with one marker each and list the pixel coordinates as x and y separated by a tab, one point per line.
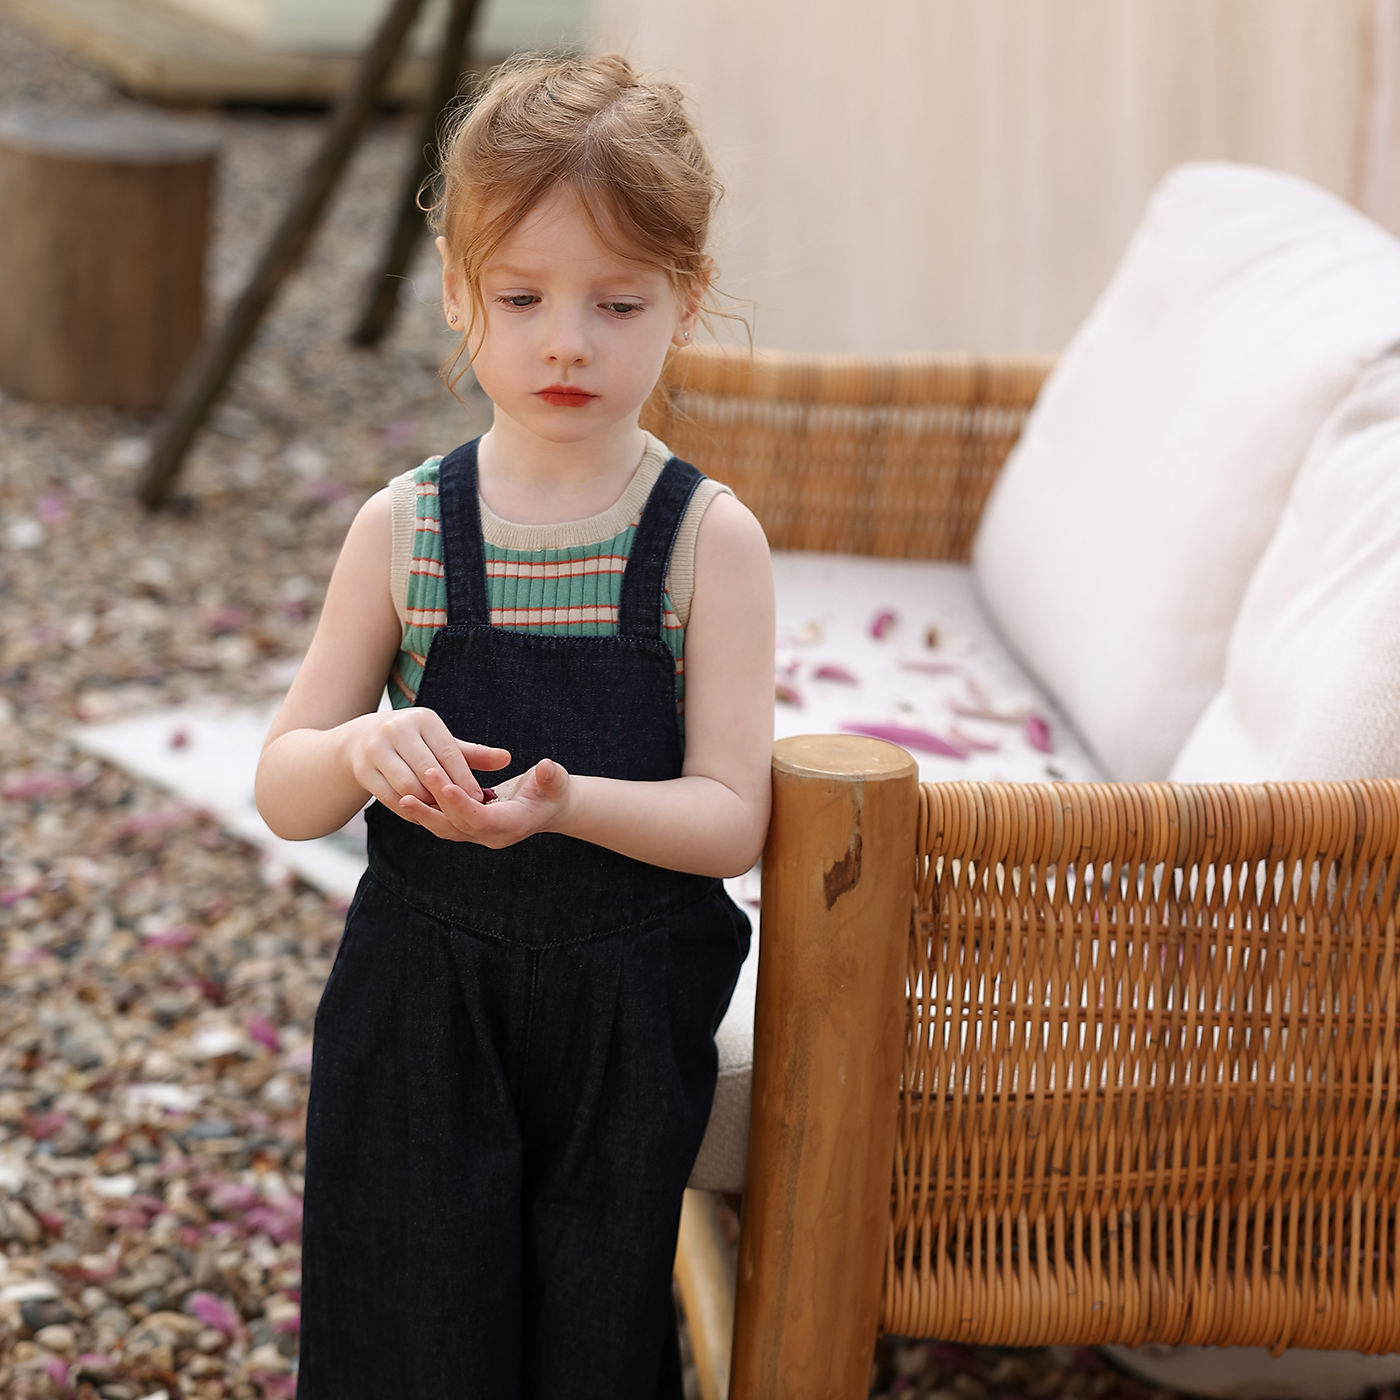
566	342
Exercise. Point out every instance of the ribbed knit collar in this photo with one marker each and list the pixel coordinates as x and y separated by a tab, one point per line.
570	534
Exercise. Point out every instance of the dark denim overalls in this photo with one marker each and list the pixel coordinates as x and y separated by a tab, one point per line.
515	1052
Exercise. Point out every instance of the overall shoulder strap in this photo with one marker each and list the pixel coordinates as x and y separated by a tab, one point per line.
639	611
463	552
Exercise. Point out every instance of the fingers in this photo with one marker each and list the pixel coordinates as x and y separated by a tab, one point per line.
431	766
483	757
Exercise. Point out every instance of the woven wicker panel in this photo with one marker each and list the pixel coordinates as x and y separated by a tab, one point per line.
864	456
1151	1077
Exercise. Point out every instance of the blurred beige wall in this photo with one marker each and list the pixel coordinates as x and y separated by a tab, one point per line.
964	174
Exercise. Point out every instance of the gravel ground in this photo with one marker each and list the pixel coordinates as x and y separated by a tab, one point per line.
159	981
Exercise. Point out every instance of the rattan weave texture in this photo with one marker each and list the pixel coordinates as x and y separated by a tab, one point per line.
838	452
1150	1086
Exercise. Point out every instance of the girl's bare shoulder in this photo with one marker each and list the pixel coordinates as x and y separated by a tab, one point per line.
730	534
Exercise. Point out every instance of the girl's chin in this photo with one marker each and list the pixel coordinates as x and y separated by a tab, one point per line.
568	425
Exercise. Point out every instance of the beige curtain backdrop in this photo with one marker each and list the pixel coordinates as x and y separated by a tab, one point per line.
964	174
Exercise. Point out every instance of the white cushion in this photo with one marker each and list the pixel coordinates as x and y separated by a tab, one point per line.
1118	542
1312	679
826	604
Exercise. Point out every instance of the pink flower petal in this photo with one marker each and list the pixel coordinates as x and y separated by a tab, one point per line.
234	1196
924	740
57	1371
971	741
31	785
987	712
929	668
1038	733
143	823
179	937
882	623
263	1031
220	621
214	1312
830	671
51	507
788	694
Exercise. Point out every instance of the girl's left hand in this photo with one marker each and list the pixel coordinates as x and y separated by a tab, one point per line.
532	802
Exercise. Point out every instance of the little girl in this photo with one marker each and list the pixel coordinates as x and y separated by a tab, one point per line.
515	1050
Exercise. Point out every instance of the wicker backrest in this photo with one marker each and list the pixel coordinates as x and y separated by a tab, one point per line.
836	452
1150	1088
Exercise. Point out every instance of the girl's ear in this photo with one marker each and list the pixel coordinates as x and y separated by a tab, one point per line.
451	298
689	323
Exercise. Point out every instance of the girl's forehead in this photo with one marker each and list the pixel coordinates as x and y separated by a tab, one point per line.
557	235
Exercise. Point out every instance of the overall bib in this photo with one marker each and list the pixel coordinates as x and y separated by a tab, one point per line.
514	1054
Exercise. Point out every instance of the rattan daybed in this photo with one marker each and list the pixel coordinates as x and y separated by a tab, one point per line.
1041	1063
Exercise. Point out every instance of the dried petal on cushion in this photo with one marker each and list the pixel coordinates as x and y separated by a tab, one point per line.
929	667
831	671
1038	733
882	622
1013	715
924	740
971	741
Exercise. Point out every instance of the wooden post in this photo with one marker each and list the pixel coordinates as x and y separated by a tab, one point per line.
706	1279
102	231
209	372
829	1031
408	226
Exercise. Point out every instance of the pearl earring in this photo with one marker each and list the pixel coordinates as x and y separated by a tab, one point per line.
687	335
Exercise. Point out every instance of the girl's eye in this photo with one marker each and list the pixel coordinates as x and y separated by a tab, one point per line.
622	308
520	299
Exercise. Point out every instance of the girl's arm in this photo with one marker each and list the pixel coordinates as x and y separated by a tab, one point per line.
710	821
328	751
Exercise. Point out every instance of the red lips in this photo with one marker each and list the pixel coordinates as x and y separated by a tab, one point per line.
566	396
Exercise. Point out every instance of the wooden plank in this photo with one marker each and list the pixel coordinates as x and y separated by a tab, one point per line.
705	1274
156	51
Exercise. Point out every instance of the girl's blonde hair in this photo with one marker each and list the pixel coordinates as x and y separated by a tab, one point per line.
620	143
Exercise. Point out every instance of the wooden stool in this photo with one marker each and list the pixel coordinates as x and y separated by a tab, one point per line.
102	228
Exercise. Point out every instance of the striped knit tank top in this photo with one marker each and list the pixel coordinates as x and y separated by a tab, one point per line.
562	580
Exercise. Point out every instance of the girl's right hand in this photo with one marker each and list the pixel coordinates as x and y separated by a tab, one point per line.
391	753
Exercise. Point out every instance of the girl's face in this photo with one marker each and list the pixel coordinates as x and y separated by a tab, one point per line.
574	335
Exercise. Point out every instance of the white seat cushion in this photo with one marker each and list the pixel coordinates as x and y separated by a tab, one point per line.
1312	677
827	604
1116	547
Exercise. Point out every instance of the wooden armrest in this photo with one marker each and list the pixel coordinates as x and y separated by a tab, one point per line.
892	456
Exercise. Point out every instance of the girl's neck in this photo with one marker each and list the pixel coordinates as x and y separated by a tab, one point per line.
529	481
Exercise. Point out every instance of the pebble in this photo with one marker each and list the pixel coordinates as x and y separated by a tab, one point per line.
59	1338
